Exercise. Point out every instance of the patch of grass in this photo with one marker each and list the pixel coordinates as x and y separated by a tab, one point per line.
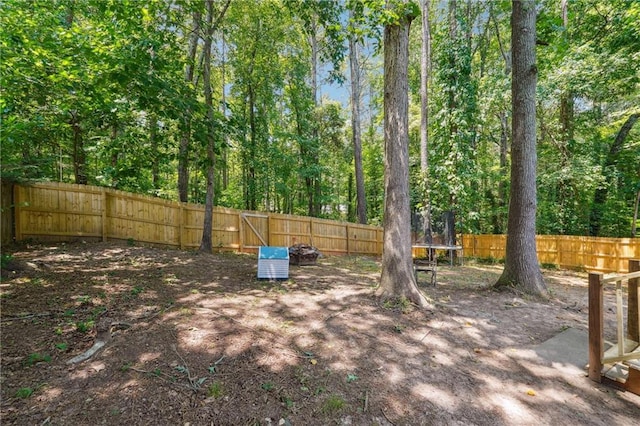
62	346
334	404
69	313
135	291
351	378
36	357
125	367
549	266
131	242
24	393
215	390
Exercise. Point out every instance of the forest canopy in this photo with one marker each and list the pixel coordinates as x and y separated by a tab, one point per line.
113	93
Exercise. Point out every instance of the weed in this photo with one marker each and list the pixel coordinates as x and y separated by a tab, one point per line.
5	258
398	328
267	386
98	310
84	326
24	393
62	346
333	404
131	242
69	313
35	358
351	378
156	372
287	401
215	390
401	304
549	266
58	331
125	367
137	290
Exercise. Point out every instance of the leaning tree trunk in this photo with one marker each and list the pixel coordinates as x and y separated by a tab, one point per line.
397	280
521	268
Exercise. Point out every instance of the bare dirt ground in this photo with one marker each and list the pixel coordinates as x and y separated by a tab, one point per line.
193	339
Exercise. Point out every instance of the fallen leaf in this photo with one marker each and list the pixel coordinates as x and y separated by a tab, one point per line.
531	392
313	361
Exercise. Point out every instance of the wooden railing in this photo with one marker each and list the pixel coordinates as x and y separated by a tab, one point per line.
623	349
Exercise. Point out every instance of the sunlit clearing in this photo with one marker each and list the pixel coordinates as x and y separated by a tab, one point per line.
512	408
88	370
149	356
51	393
441	397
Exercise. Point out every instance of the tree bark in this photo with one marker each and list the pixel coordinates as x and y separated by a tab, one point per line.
425	65
79	154
397	279
185	138
205	243
521	269
361	202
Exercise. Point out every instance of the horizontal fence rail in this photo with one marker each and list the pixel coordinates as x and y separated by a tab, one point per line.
62	212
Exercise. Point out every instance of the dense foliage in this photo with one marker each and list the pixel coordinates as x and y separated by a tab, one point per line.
96	92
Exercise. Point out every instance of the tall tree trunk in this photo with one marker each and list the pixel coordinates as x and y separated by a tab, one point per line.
185	138
79	155
521	269
153	141
600	196
251	201
425	66
207	228
635	216
397	279
361	201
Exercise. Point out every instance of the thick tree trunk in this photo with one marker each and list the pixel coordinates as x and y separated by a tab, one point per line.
397	279
361	201
521	269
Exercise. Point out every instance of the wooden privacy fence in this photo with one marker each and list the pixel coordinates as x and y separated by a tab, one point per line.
59	212
565	251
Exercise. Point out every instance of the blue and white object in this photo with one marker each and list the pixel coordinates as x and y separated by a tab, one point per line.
273	263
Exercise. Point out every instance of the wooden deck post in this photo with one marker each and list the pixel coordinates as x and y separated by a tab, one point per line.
596	330
633	314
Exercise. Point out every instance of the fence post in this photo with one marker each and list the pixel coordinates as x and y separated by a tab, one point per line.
269	232
633	314
104	215
240	232
16	212
181	226
311	232
596	330
347	231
